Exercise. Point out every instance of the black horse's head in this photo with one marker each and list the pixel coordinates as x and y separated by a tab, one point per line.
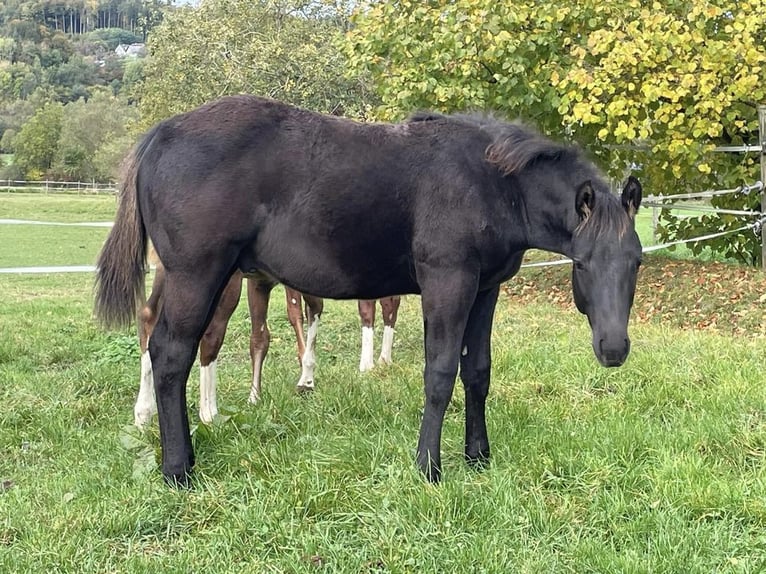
606	253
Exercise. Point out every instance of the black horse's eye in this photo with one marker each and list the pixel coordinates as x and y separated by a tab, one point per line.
579	265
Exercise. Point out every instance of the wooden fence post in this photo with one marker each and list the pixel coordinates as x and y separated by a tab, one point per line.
762	137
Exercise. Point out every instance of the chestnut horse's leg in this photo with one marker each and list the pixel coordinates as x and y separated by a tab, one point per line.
367	316
190	300
475	359
447	297
258	293
390	308
314	307
293	300
146	406
210	346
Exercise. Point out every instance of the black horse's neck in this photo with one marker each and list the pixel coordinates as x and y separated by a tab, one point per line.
548	211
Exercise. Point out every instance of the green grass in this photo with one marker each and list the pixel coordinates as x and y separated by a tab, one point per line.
659	466
644	227
63	208
44	245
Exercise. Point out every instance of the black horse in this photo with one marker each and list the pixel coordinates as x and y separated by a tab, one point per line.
443	206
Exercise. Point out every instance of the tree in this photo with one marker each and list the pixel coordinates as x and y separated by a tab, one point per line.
73	79
663	89
275	49
463	54
110	38
132	77
37	141
93	138
18	81
646	88
151	14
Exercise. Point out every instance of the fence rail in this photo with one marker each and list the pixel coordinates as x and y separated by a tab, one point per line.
47	186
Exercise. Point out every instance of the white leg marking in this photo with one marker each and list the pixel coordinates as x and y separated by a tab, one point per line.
308	362
208	406
366	362
146	404
465	351
255	386
388	345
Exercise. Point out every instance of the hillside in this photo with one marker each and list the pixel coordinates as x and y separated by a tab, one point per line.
57	54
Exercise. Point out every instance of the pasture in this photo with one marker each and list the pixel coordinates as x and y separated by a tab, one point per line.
659	466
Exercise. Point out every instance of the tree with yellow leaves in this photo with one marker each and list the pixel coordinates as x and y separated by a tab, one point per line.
647	87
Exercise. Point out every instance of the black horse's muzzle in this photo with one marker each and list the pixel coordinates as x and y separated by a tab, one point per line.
611	351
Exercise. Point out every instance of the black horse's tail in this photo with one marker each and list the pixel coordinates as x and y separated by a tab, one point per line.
121	267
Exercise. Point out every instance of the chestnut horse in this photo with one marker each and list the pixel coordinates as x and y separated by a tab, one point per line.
212	340
260	337
389	307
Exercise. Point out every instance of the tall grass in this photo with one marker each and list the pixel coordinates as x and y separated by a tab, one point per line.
658	466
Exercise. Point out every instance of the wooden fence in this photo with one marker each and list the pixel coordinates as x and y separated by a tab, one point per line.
82	187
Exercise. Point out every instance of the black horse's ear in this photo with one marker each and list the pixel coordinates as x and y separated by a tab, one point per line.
584	200
631	196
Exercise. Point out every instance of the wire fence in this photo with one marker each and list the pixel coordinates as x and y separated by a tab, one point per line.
744	188
755	227
660	202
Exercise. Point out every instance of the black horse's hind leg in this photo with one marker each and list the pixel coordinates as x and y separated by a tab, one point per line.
447	298
189	303
475	359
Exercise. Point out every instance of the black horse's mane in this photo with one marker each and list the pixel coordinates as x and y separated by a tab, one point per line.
516	145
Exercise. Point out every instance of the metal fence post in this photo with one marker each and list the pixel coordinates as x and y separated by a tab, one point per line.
762	138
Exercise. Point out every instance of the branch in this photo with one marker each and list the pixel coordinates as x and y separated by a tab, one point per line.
492	79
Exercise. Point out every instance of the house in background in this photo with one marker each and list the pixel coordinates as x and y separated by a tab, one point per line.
137	50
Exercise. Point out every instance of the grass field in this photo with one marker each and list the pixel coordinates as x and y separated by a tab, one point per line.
659	466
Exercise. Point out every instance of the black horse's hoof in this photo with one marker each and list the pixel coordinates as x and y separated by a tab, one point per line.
182	480
431	472
479	461
433	475
304	390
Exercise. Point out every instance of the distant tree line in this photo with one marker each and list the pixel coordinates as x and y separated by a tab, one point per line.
83	16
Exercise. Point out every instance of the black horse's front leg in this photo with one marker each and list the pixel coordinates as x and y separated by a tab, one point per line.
446	298
475	361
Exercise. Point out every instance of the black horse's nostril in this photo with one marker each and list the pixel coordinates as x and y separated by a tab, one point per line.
611	356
